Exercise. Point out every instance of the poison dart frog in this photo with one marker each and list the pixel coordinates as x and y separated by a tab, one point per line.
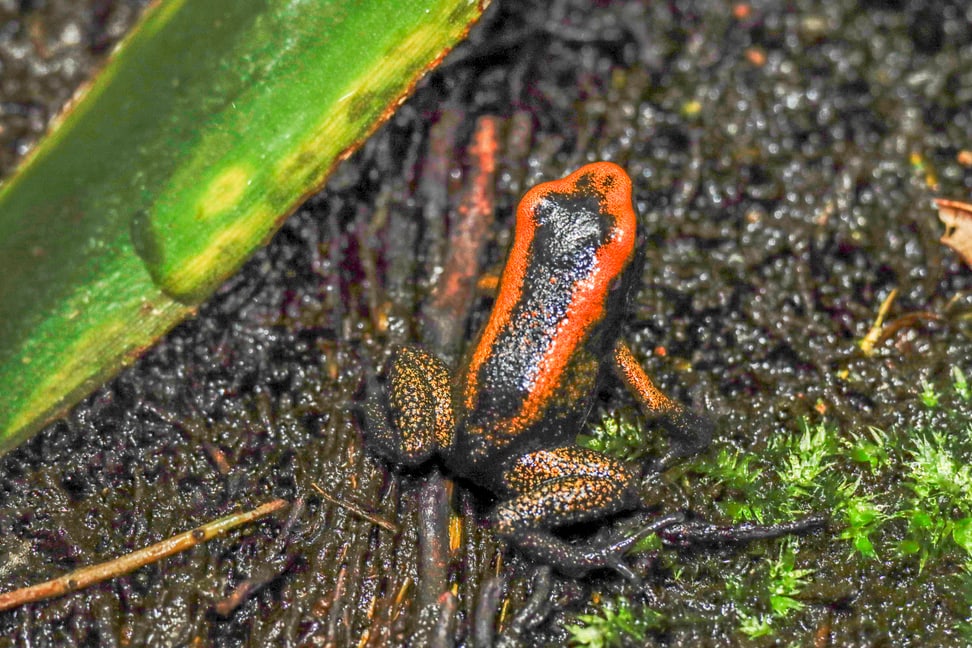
507	417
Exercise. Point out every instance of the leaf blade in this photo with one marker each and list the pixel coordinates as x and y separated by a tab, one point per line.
201	134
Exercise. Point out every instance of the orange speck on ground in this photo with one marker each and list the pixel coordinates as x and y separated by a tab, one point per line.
741	10
756	56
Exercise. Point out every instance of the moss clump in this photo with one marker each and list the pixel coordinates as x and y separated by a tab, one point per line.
615	623
900	499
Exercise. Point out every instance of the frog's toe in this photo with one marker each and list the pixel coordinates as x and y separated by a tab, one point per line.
621	567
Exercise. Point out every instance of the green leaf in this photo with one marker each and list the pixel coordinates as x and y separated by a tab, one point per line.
961	384
908	547
205	129
929	396
782	605
962	533
756	626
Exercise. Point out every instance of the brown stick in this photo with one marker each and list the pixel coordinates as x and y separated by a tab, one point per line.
357	510
81	578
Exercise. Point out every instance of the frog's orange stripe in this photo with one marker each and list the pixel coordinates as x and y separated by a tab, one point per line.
589	294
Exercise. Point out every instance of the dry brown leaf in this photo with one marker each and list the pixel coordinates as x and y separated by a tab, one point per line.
957	217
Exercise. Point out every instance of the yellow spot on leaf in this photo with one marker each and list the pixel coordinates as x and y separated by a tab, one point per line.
224	192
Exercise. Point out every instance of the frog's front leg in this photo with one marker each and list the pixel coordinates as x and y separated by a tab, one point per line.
410	417
565	486
688	432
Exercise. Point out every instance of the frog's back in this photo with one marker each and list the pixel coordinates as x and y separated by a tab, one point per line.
529	378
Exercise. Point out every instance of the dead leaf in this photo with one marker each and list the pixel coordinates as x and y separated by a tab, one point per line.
957	217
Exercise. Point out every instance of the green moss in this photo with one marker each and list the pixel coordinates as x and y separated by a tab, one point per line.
769	593
964	626
615	624
806	467
921	476
869	449
899	500
735	471
862	517
938	509
620	435
928	394
961	385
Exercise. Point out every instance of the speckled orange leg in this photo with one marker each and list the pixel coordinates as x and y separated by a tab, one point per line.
688	432
564	486
411	417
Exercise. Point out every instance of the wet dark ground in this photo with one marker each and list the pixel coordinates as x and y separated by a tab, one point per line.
48	48
784	157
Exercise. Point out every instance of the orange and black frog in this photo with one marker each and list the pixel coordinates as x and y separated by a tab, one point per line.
507	417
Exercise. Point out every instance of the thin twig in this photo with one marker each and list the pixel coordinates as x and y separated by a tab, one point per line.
86	576
272	566
873	337
371	517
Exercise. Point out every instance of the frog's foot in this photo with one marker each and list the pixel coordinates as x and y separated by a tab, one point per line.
566	486
576	560
534	613
686	533
408	411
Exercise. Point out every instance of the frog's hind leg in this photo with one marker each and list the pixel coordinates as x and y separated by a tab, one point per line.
688	533
565	486
408	414
688	432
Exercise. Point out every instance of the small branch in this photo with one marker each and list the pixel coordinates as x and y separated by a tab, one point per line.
242	592
874	334
357	510
273	565
86	576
